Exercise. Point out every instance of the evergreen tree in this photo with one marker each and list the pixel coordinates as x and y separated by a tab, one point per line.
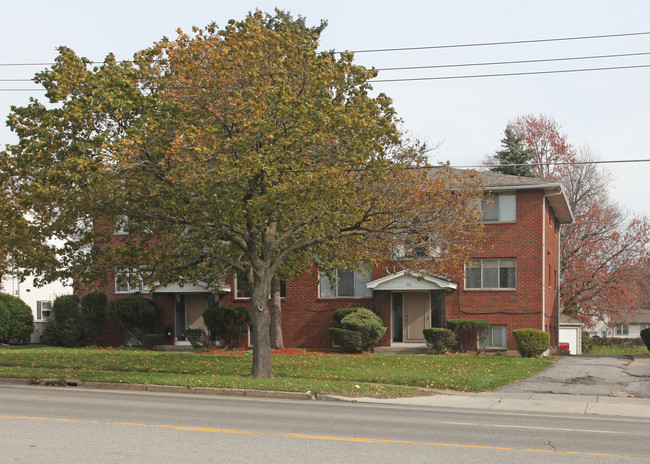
514	159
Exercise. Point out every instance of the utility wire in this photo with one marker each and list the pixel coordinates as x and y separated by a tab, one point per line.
492	63
430	47
512	42
531	73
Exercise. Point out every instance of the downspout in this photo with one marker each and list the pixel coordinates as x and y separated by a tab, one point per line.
544	262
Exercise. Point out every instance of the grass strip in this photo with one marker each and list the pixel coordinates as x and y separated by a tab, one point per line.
340	374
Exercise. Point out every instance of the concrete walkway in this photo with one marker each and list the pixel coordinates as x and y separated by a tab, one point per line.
613	386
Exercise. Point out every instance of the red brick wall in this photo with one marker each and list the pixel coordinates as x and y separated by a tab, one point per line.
532	240
522	240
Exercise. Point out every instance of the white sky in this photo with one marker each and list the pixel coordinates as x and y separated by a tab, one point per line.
607	110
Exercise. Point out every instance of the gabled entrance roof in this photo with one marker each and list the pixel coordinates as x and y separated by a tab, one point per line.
198	287
411	280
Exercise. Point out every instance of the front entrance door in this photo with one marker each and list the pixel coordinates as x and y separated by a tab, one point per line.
416	316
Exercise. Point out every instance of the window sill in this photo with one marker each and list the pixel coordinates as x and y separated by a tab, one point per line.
490	289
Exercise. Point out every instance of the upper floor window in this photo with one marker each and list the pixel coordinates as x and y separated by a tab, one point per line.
490	273
127	282
501	207
243	286
43	310
348	284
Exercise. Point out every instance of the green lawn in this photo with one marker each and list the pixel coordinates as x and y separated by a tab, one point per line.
339	374
617	350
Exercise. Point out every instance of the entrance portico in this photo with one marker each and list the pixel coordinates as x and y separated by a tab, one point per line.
417	303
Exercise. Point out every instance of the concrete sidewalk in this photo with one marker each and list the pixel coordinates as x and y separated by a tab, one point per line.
527	402
535	397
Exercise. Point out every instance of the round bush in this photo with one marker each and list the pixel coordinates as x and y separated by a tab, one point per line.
5	319
21	319
440	340
531	342
468	332
63	327
349	340
228	323
134	315
340	313
645	336
368	324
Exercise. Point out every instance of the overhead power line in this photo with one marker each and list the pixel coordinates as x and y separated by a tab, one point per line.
511	42
494	63
530	73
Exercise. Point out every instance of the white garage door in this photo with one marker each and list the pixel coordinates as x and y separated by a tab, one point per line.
570	335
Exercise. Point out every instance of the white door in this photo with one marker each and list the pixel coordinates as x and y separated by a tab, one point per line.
570	335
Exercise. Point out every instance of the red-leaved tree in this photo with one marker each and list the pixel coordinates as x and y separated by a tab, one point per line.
604	250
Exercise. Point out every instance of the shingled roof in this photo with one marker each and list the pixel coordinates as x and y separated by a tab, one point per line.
494	182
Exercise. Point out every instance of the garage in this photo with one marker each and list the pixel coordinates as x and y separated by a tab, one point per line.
571	334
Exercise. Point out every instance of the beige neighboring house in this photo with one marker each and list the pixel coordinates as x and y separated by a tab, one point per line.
39	299
631	327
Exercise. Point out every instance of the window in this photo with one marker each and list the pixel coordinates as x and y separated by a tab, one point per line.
121	225
622	330
645	326
127	282
43	310
499	208
490	274
243	286
496	338
349	284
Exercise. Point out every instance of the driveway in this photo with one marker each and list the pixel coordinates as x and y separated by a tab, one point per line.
624	376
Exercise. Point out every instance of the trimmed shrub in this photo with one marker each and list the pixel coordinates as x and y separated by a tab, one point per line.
531	342
645	336
198	338
21	319
134	315
5	319
151	340
587	342
469	332
368	324
440	340
349	340
340	313
63	327
93	312
227	323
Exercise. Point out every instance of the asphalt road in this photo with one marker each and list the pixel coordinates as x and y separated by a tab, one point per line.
61	425
620	376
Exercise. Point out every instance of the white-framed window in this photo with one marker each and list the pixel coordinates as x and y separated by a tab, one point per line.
496	337
622	330
500	207
243	287
128	282
43	310
645	326
348	284
490	273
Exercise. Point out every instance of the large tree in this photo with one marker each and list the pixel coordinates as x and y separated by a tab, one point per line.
514	158
603	249
240	149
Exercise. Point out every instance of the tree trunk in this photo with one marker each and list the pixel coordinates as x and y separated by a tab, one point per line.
261	317
276	314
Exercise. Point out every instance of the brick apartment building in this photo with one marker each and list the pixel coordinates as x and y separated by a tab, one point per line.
513	282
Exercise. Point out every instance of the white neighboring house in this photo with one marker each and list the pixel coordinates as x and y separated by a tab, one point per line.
630	328
39	299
